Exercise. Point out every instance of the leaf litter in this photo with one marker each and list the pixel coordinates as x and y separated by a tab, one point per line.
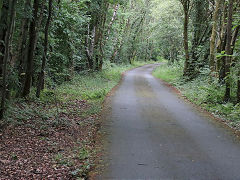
56	147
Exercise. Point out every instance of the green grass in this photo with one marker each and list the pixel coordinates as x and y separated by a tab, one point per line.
168	73
93	86
203	91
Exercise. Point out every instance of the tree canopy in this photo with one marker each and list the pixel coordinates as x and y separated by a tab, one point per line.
44	43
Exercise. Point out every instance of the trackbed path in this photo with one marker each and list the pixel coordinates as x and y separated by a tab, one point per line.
153	134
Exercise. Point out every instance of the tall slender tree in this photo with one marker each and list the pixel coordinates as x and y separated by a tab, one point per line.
186	9
44	58
22	44
213	37
7	43
32	46
229	50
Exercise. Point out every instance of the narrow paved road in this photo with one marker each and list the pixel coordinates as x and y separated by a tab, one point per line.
153	134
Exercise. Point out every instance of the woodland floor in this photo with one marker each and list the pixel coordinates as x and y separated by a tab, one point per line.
49	149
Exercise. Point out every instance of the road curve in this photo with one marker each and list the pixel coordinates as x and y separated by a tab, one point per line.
153	134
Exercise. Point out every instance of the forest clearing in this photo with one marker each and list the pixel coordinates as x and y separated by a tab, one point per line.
81	99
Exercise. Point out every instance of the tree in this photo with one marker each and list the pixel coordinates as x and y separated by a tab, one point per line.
238	88
228	50
44	58
96	27
3	30
32	45
7	44
186	9
1	5
22	44
213	37
166	30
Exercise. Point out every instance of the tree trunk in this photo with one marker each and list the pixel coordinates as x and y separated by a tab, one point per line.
9	32
132	51
3	30
112	20
222	40
101	35
1	5
233	45
44	58
238	90
222	60
118	44
228	50
31	49
22	46
90	43
23	39
213	37
234	38
185	36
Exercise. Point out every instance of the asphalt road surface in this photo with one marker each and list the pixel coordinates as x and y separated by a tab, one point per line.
154	134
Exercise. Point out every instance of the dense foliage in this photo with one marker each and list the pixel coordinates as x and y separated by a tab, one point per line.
208	70
44	43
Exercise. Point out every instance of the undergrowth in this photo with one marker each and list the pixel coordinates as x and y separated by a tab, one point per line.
204	91
88	86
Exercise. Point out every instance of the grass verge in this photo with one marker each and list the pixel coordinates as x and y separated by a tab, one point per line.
203	91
